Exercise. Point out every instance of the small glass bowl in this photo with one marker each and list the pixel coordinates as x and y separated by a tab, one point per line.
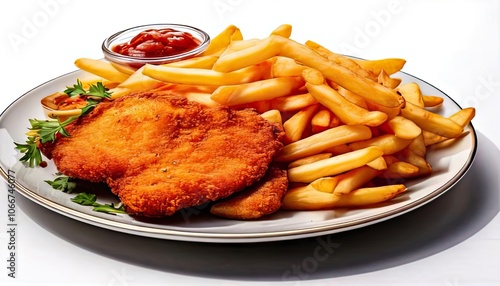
136	62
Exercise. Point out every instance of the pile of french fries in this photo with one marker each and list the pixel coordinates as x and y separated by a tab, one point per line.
351	127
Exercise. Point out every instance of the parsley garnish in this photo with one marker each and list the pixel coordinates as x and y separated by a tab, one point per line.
31	152
97	90
85	199
63	184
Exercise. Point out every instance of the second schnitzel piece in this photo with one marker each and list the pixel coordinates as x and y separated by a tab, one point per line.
260	199
160	152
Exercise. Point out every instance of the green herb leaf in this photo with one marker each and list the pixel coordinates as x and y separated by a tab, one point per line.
91	200
110	208
63	184
85	199
76	89
98	90
31	152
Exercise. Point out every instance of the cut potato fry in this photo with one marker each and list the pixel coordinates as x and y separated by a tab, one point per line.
308	198
411	93
231	95
201	62
101	68
389	66
334	165
347	111
387	81
341	60
389	143
321	120
297	124
404	128
220	42
319	142
432	101
197	76
284	30
284	67
293	102
309	159
431	122
273	115
369	196
377	164
355	179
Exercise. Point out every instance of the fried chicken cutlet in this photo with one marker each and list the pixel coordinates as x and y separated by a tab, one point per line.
260	199
160	152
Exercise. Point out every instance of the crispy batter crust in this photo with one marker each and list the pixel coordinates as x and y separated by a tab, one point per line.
160	152
260	199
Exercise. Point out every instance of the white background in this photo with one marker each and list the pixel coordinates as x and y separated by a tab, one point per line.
454	240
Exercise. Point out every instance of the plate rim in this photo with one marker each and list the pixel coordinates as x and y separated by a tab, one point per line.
216	237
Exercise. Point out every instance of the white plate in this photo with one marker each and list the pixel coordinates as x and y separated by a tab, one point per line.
449	165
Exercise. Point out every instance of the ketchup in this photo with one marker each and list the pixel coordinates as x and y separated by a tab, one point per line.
154	43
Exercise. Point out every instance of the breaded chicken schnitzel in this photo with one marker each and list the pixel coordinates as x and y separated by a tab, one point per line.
260	199
160	152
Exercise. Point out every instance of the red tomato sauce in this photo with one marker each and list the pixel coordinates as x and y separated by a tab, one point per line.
153	43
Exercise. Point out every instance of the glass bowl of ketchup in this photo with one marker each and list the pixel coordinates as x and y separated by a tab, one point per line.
154	44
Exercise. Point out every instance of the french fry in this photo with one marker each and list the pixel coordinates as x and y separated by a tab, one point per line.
273	115
308	198
432	101
388	81
397	169
293	102
347	111
424	167
284	30
334	165
123	68
389	66
462	117
339	149
411	93
321	120
377	164
404	128
197	76
284	67
231	95
135	82
313	76
388	143
200	97
220	42
354	98
319	142
431	122
297	124
417	146
101	68
201	62
309	159
235	46
325	184
369	196
341	60
355	179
